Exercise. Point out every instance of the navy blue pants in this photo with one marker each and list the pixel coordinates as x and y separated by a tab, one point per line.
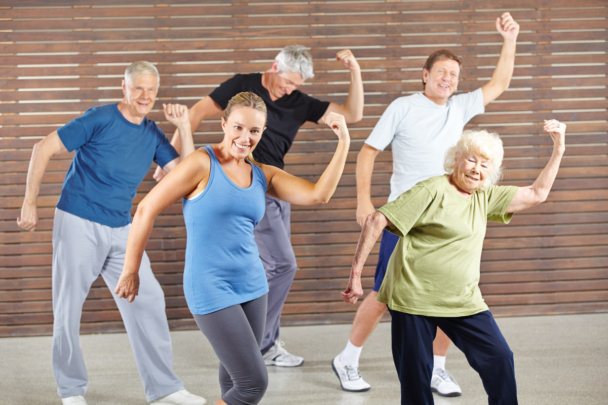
477	336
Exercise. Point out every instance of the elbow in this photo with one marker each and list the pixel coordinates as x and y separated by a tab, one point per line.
355	117
143	212
539	198
377	220
322	200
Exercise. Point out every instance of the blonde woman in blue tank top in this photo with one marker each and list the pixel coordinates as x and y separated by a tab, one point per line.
223	191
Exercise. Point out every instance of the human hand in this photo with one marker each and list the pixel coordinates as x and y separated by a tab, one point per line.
338	124
159	174
364	210
29	217
507	27
353	291
557	130
128	286
348	59
176	114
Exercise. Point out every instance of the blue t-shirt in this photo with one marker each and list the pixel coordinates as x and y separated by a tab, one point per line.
223	266
112	158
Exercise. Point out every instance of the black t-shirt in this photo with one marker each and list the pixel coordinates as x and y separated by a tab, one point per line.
285	115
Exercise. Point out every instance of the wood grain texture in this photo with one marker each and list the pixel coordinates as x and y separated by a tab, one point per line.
60	60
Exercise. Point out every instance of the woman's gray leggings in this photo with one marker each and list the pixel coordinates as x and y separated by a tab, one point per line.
235	333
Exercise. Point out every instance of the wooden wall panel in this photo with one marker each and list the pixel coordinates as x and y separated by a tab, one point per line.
62	57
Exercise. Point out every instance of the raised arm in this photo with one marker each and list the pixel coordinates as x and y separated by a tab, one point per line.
295	190
373	226
508	28
200	111
527	197
352	110
364	170
177	114
180	182
41	154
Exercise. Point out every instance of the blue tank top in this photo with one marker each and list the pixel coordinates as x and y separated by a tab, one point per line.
223	267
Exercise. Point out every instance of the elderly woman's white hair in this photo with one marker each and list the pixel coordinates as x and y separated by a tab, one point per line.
295	59
141	68
487	144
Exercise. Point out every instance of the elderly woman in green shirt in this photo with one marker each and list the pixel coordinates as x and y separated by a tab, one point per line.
432	279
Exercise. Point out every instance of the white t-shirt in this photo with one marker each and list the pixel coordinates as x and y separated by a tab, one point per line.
422	132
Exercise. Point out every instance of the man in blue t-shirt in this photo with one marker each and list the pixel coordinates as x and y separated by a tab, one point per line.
115	145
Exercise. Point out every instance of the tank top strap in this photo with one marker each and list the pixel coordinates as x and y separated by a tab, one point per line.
214	162
259	173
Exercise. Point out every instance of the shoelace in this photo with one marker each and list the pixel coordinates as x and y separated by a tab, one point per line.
445	375
352	373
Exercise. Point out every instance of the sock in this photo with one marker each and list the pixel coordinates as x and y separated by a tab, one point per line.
439	362
350	355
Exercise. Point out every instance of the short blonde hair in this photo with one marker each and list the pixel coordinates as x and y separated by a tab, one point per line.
141	68
487	144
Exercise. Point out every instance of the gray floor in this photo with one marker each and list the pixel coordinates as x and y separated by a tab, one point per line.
558	359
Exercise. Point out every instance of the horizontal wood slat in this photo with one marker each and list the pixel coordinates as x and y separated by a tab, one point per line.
59	59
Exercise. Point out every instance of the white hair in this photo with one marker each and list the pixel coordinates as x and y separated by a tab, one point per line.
487	144
295	59
141	68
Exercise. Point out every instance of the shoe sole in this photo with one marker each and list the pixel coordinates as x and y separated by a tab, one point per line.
278	365
450	395
339	379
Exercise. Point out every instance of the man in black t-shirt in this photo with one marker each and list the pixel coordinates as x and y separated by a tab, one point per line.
288	109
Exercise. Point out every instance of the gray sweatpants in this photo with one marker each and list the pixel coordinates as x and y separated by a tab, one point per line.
82	250
273	237
235	334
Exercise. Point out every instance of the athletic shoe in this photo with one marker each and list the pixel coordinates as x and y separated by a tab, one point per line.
444	384
278	356
181	397
75	400
349	376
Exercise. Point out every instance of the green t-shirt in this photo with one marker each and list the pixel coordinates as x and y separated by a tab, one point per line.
434	269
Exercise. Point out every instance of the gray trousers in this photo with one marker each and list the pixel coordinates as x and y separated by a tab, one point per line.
235	333
273	237
82	250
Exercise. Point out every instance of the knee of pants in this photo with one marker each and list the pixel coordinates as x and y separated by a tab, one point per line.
500	356
282	269
255	388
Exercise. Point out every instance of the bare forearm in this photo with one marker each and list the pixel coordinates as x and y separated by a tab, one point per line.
369	235
138	238
355	100
185	141
38	163
504	69
364	171
542	185
328	182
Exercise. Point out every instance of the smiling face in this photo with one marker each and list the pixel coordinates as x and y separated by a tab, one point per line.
140	94
283	83
243	130
471	171
441	81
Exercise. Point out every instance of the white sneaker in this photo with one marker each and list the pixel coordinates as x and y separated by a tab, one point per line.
75	400
181	397
278	356
349	376
444	384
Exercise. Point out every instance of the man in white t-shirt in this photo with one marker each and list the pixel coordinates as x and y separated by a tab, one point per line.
421	128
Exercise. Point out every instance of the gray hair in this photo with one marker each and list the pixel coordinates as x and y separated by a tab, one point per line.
487	144
295	59
141	68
